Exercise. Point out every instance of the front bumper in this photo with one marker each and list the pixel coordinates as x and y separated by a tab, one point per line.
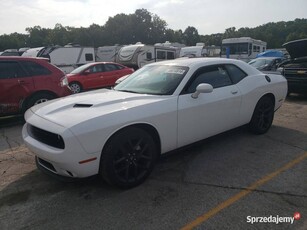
71	161
297	85
52	173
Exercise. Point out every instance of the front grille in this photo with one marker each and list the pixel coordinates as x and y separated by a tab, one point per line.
46	137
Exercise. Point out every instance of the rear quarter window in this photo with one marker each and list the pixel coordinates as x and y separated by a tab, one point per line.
35	69
235	73
11	69
112	67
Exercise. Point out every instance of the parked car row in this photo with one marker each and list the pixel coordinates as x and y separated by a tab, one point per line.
27	81
294	68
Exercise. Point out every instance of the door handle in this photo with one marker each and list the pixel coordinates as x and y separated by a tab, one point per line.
101	76
234	91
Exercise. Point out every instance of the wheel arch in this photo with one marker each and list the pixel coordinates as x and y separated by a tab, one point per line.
26	101
271	96
261	119
75	81
146	127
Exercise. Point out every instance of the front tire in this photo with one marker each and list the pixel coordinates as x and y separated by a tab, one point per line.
75	87
128	158
263	116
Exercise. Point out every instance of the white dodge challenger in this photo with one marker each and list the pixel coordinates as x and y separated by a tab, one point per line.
120	133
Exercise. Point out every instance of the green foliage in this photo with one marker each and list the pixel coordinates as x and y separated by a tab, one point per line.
191	36
275	34
143	26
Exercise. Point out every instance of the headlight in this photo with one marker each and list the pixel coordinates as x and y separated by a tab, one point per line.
64	81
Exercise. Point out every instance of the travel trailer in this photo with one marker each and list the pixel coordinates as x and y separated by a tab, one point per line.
244	48
194	51
107	53
66	58
138	55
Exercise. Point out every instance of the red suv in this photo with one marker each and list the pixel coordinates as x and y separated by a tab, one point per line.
25	82
96	75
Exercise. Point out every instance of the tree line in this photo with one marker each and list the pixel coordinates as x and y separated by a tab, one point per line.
143	26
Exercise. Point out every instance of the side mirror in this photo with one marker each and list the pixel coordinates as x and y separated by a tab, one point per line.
202	88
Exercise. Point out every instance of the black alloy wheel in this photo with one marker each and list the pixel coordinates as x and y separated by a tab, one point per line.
263	116
128	158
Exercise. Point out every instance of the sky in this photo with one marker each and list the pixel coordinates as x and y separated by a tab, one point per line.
207	16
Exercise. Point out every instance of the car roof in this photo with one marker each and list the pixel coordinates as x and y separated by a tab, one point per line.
189	62
103	62
21	58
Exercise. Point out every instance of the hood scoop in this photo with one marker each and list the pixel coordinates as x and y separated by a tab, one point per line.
82	105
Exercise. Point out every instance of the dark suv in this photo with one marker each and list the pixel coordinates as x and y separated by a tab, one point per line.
25	82
295	69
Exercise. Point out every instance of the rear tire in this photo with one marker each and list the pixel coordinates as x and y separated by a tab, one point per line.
38	99
128	158
263	116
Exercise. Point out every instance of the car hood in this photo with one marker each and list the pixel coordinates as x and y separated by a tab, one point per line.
297	48
75	109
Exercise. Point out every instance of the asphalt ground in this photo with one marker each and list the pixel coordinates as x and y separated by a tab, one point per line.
224	182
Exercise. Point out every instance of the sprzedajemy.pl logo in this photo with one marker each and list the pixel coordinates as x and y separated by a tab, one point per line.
273	219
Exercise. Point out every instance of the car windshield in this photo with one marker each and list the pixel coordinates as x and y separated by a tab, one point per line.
81	68
261	62
157	80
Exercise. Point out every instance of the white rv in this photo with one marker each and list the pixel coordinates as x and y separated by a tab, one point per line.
244	48
107	53
138	55
66	58
194	51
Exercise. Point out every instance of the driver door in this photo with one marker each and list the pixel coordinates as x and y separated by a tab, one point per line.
210	113
93	77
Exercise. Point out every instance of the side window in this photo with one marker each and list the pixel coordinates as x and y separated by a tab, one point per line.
97	69
89	57
118	67
236	74
149	56
11	69
35	69
111	67
161	55
216	76
170	55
